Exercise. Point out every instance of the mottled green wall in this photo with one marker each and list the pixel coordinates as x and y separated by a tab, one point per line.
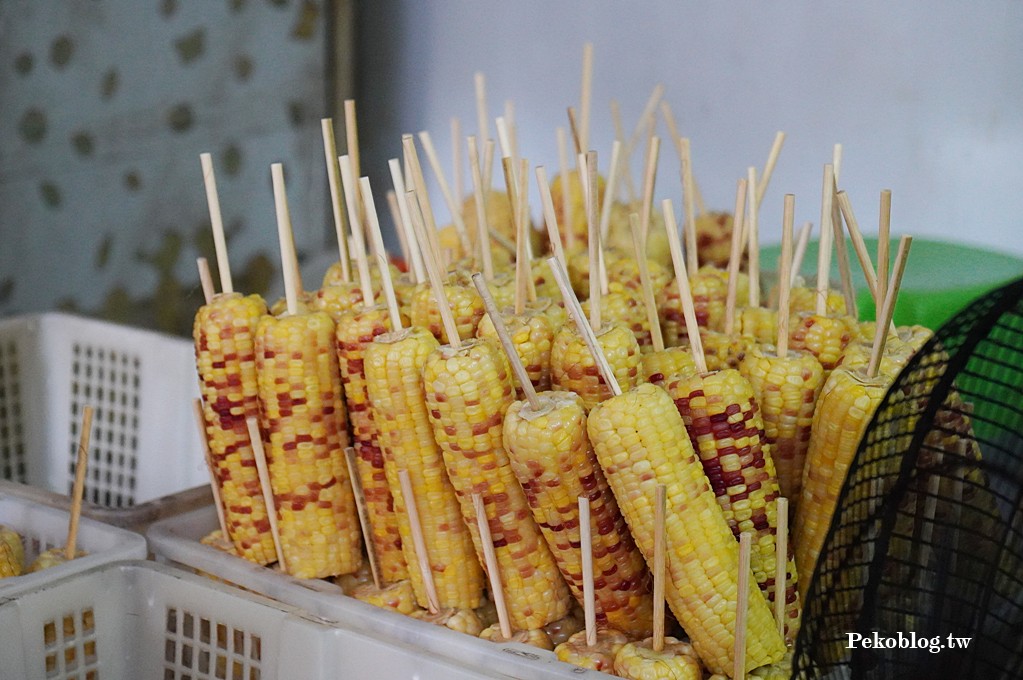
105	106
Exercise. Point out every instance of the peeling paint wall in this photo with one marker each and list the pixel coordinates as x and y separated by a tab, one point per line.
105	106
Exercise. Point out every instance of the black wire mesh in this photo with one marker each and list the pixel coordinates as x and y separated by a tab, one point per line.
927	537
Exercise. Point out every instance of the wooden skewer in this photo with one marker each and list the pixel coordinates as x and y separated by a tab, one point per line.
574	129
800	252
859	245
352	138
884	320
594	240
78	488
527	226
521	260
218	501
456	160
785	279
647	117
586	550
824	245
399	228
586	97
754	238
509	116
364	519
781	562
423	197
884	228
205	279
566	199
479	200
504	138
550	217
488	170
419	542
435	275
735	257
684	291
616	117
772	160
648	289
259	453
330	155
742	606
289	261
576	312
609	192
481	107
377	238
649	180
351	187
841	251
659	567
493	571
688	200
418	268
454	206
217	222
506	342
669	119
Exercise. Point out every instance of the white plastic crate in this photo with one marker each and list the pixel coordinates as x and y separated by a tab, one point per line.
42	527
144	620
145	441
176	540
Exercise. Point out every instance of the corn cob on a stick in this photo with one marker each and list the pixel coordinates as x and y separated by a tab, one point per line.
804	300
639	661
12	553
460	620
599	656
302	416
397	596
710	287
533	336
535	638
640	442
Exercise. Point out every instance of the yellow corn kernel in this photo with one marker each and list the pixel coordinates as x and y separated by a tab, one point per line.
468	389
532	336
639	661
825	337
625	307
225	358
759	323
554	463
466	306
672	362
302	415
573	368
599	657
710	290
641	442
397	596
723	351
394	364
804	300
355	331
625	272
534	638
336	300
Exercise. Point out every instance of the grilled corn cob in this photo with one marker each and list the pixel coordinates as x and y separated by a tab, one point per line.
641	442
394	364
672	362
724	423
710	288
624	306
535	638
465	302
786	390
355	332
468	390
461	620
846	404
532	335
825	337
599	657
553	461
397	597
573	368
12	553
302	414
225	357
639	661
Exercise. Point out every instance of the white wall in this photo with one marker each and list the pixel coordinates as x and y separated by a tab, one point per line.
926	97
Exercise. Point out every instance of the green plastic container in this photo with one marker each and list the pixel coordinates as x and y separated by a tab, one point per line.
940	279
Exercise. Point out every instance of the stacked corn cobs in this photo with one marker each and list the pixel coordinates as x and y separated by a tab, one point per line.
727	445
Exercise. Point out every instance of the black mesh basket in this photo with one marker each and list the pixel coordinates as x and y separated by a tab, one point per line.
927	538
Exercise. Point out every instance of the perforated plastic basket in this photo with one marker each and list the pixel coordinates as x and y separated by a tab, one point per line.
141	384
42	527
176	539
144	620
